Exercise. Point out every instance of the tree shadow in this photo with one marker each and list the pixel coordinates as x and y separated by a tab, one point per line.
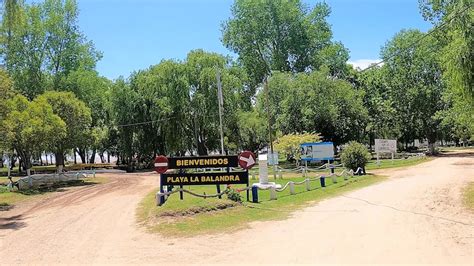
13	222
468	154
56	187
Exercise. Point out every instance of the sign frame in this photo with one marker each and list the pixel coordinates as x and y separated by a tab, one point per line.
202	179
327	157
218	161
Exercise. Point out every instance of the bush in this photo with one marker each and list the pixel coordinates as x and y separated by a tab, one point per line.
355	155
233	195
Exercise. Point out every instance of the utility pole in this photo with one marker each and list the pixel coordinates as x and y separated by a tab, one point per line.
270	135
220	99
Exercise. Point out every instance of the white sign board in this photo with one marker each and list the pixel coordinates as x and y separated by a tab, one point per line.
273	158
386	145
318	151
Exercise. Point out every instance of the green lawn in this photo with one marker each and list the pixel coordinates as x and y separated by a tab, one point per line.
10	198
372	165
387	163
173	217
469	196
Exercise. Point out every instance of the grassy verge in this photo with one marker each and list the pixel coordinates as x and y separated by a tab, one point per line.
174	218
384	164
469	196
372	165
52	168
10	198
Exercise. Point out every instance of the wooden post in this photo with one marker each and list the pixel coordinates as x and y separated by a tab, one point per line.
273	194
248	196
292	188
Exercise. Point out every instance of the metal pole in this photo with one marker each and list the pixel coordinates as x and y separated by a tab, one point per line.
220	100
270	135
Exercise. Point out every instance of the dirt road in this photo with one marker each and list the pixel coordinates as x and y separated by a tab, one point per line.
416	217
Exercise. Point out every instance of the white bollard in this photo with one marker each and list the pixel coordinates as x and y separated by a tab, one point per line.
308	184
273	194
280	175
334	178
292	188
93	173
346	176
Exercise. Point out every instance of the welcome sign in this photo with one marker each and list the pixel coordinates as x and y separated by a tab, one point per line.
188	179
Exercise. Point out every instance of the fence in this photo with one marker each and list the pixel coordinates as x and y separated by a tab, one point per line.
160	196
34	181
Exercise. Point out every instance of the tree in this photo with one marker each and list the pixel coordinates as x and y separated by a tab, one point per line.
6	92
202	68
290	144
457	39
124	101
314	102
41	44
253	131
94	91
382	121
30	127
77	118
414	77
66	47
454	21
282	36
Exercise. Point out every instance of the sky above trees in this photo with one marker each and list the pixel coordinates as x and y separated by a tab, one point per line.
134	34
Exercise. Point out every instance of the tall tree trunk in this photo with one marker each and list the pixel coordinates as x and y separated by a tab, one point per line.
59	161
108	157
82	154
75	156
92	158
102	158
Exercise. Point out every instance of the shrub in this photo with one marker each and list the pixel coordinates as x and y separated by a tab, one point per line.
355	155
233	195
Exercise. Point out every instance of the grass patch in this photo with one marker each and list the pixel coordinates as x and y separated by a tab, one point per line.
384	164
238	216
469	196
10	198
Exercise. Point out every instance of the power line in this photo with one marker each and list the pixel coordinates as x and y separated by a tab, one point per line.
419	40
156	121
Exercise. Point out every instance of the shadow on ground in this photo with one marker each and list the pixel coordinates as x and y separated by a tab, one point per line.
468	154
13	222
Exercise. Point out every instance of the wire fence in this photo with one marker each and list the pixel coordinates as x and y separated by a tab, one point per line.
34	181
161	196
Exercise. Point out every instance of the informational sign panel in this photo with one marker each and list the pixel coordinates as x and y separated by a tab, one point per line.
317	151
187	179
385	145
202	162
273	158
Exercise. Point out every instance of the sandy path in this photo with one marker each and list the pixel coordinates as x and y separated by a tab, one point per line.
416	217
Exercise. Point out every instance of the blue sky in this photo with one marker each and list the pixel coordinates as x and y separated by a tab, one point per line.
134	34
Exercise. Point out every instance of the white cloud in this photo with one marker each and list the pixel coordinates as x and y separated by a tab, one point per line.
364	63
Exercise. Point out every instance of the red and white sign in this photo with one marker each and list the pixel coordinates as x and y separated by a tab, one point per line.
247	160
161	164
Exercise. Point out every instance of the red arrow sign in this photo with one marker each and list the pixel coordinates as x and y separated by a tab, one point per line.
161	164
247	160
